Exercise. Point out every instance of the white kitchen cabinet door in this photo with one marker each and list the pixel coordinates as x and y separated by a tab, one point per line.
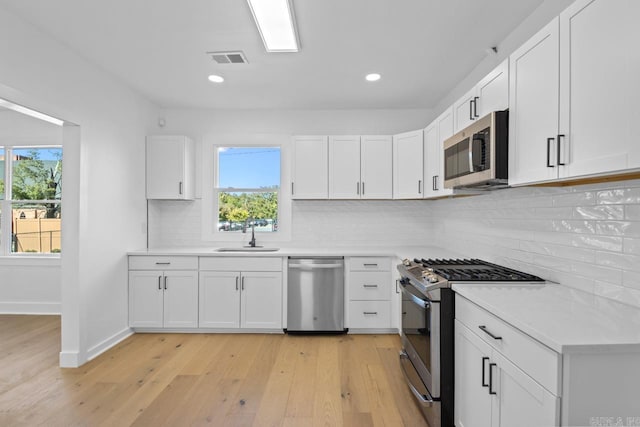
599	69
465	111
261	306
472	401
180	299
310	169
408	165
533	107
170	168
519	400
219	299
434	137
344	167
145	299
493	91
432	147
376	167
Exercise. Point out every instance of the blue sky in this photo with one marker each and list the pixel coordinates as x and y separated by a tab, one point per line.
251	167
45	153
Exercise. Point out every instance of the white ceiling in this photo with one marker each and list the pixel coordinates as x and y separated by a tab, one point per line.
422	48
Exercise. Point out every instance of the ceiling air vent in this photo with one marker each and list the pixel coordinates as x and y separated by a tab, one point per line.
236	57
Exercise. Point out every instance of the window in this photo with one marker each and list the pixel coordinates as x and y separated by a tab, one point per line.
247	189
31	192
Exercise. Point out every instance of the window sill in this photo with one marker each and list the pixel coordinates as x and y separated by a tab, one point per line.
29	260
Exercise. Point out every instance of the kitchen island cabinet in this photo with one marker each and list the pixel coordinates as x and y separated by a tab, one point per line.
544	355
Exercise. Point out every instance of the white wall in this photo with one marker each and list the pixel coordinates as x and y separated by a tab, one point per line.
104	206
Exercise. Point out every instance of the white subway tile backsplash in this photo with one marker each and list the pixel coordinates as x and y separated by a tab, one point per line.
632	245
618	228
602	212
619	196
632	212
618	260
575	199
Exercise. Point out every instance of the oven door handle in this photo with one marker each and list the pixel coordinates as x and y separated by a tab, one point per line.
413	380
417	301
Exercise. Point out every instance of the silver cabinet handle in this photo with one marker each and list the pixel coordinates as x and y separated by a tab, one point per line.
370	313
165	282
180	188
363	188
358	188
163	263
236	283
159	283
292	193
370	264
242	283
369	286
419	186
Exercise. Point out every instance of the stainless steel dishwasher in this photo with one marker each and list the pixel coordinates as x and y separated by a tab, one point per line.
315	296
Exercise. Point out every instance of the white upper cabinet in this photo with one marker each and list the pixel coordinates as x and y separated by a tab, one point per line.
533	112
310	169
599	89
170	164
376	167
434	135
344	167
573	95
464	110
493	91
490	94
408	165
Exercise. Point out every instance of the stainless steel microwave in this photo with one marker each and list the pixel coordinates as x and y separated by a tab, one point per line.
478	156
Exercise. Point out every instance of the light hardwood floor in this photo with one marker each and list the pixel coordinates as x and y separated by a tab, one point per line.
203	379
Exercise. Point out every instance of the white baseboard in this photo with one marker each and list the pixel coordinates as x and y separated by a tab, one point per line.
42	308
105	345
69	359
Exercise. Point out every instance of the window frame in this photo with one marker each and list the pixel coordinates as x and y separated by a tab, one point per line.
210	190
7	201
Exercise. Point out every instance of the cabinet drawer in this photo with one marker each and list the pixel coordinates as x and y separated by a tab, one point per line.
369	264
369	314
241	263
369	285
170	262
534	358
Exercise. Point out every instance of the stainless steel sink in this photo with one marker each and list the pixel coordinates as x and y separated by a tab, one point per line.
248	249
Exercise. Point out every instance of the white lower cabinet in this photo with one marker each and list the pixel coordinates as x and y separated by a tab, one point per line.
492	391
369	293
163	299
230	298
500	373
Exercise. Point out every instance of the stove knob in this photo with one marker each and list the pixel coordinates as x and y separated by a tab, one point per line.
433	279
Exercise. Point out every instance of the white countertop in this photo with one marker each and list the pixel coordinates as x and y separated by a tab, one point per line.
386	251
562	318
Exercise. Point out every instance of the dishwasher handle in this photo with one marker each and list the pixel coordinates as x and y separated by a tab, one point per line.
314	266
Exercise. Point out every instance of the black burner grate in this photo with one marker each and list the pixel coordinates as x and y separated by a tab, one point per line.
475	270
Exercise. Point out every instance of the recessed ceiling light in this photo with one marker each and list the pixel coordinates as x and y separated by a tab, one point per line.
276	24
373	77
216	79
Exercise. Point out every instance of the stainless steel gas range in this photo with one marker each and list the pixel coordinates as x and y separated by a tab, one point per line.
427	357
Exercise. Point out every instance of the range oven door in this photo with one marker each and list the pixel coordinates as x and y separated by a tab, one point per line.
421	336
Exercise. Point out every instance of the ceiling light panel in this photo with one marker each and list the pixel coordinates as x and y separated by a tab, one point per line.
276	24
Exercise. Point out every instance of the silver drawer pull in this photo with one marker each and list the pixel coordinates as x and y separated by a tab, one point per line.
484	329
371	313
370	265
163	263
370	286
